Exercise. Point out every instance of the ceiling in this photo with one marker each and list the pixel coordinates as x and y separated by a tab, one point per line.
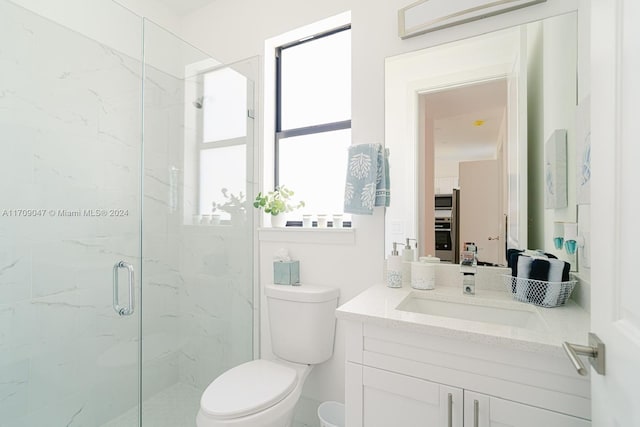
183	7
455	112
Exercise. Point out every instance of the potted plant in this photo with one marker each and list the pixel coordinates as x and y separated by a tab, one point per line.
277	203
234	205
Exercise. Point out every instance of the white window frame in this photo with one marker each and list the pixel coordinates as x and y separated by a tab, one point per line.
314	129
267	150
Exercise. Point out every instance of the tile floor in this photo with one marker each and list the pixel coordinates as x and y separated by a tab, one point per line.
175	406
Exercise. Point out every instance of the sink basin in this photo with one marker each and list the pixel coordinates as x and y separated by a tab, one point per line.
520	317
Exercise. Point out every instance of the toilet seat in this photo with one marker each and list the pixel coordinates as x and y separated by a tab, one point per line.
247	389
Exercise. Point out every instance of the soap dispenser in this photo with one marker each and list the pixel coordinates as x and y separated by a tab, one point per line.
394	268
408	257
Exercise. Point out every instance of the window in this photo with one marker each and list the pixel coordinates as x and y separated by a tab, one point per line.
222	148
313	119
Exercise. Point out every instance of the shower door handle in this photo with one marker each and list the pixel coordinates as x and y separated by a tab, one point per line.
123	311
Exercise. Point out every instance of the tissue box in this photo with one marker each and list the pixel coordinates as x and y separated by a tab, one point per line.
286	272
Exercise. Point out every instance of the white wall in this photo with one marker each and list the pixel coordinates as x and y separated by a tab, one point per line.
153	10
563	89
551	105
560	97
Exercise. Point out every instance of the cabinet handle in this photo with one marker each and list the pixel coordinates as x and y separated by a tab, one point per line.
476	413
450	410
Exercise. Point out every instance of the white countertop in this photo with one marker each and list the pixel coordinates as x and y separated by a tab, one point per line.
377	305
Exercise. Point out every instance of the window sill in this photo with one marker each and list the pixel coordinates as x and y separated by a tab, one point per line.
331	236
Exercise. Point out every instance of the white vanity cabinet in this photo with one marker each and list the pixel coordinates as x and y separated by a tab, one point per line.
396	377
392	399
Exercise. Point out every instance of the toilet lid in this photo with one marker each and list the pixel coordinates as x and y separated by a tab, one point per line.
247	389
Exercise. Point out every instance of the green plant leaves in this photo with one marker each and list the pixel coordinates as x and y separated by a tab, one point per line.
277	201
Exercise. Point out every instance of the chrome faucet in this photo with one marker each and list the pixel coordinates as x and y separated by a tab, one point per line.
468	268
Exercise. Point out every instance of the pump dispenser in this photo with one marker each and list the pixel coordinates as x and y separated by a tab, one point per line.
408	257
394	268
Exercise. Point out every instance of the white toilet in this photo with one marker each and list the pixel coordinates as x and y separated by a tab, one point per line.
263	393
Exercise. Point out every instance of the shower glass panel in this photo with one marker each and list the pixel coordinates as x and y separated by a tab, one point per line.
70	144
197	262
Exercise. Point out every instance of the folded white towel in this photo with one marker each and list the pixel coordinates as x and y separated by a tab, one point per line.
522	286
553	290
524	266
556	266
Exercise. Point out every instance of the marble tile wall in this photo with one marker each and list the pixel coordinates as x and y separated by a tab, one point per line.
218	304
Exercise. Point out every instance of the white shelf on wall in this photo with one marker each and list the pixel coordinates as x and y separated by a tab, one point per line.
333	236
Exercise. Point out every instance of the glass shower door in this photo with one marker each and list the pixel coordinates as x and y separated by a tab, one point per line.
70	155
198	311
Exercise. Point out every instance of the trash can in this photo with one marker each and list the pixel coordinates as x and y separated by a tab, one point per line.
331	414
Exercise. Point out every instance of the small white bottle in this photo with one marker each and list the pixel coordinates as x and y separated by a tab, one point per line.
307	220
423	273
322	221
408	257
394	268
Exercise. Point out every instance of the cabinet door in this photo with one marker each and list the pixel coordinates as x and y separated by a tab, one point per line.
481	410
390	399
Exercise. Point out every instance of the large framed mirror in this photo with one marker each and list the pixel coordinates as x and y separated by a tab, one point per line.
466	123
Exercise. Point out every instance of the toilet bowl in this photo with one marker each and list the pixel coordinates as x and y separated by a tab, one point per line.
260	393
264	393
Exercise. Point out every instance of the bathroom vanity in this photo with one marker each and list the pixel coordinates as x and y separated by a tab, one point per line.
440	358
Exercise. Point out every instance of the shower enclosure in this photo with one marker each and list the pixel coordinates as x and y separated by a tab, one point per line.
126	242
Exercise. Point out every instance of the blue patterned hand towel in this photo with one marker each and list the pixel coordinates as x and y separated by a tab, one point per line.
367	179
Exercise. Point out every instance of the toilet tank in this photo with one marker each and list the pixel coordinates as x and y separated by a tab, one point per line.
302	321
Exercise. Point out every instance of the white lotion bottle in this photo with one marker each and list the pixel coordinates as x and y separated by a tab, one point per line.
408	257
394	268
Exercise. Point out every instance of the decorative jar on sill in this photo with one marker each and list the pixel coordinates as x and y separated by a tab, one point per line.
322	221
307	220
